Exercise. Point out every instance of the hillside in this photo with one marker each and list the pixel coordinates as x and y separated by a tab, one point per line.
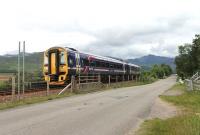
33	62
147	61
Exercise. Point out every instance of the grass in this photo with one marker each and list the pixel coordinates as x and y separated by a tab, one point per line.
34	100
186	123
103	87
3	85
188	100
179	125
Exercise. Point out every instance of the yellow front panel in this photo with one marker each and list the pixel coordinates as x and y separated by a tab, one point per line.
63	68
53	63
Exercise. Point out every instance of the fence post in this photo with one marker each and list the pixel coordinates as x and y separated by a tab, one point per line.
72	83
123	78
128	77
30	85
99	78
13	88
132	77
18	93
47	87
23	73
191	85
109	80
79	81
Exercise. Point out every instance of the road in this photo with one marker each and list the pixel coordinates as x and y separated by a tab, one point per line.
113	112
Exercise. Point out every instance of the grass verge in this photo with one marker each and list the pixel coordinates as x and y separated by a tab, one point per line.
102	87
34	100
187	123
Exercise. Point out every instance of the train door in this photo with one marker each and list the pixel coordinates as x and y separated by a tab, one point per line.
124	69
53	63
72	63
78	66
127	67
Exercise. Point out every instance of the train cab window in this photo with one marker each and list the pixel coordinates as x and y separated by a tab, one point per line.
62	58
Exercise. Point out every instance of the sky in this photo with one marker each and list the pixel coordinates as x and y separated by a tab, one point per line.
118	28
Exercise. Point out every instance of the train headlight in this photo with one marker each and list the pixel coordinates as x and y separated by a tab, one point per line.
46	68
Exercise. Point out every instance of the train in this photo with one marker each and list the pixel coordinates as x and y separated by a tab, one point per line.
61	63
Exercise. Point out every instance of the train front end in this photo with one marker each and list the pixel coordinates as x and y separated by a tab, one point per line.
55	66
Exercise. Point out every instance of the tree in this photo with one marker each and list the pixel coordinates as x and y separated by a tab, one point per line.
188	60
195	53
161	70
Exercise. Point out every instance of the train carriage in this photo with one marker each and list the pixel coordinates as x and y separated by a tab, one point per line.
61	63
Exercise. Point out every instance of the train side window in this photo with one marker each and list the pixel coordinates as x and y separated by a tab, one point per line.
118	66
103	64
114	66
98	64
93	63
121	67
107	65
85	62
111	65
71	60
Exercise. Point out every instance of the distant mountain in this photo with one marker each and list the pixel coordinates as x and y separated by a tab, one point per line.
147	61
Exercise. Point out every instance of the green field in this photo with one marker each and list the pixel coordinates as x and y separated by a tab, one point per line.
186	123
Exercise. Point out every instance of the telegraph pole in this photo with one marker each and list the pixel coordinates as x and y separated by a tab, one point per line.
19	70
23	77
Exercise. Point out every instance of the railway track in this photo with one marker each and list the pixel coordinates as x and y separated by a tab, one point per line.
30	88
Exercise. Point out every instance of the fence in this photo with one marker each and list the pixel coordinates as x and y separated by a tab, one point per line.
9	89
36	88
193	83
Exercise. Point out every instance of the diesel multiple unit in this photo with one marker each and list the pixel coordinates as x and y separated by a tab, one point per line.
62	63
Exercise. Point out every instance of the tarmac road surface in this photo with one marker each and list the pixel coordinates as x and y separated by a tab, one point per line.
112	112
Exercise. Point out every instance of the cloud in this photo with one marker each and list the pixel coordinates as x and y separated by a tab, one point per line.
124	28
160	37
